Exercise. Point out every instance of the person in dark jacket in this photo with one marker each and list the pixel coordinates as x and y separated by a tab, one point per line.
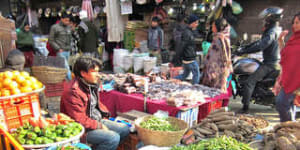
177	34
188	51
80	101
269	46
155	38
25	43
15	60
60	37
88	36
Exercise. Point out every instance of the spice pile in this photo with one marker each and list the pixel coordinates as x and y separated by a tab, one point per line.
257	122
222	122
285	136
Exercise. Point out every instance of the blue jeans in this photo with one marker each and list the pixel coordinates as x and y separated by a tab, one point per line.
108	139
187	69
285	106
66	56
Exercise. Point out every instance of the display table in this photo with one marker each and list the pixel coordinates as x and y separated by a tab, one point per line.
120	102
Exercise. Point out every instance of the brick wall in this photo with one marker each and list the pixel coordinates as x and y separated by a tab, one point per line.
249	21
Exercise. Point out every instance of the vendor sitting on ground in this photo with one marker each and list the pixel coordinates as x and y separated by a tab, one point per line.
80	100
15	60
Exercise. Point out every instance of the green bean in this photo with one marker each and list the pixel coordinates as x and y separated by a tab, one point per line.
158	124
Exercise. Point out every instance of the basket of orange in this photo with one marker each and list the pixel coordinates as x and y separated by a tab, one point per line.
19	99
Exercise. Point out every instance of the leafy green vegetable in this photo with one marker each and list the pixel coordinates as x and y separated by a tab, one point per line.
158	124
221	143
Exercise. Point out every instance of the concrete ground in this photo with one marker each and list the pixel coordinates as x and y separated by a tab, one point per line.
269	113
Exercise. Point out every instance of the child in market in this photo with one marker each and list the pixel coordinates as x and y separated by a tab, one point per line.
155	38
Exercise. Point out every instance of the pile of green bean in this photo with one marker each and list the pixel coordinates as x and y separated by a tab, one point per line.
221	143
158	124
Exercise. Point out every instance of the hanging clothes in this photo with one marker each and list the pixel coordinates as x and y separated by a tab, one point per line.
87	6
115	21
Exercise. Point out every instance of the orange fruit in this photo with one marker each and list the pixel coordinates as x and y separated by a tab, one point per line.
20	79
1	75
1	85
15	91
5	92
33	80
40	84
26	89
16	74
8	75
25	74
13	85
26	83
6	82
34	86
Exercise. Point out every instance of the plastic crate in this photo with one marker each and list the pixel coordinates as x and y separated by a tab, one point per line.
206	108
175	71
14	112
55	89
7	142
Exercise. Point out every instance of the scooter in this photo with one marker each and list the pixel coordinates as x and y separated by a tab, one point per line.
242	69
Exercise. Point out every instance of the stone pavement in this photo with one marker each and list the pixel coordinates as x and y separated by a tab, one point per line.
269	113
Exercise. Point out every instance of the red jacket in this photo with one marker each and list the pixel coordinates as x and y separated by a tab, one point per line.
75	103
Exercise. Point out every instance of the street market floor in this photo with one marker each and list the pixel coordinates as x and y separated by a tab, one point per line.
268	112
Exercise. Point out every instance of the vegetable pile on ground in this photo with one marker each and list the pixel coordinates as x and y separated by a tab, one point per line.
158	124
220	143
284	136
46	131
257	122
222	122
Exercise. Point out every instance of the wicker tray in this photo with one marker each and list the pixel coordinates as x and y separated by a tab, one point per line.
47	74
72	140
161	138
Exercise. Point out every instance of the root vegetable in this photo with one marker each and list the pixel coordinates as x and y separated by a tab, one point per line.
227	127
214	127
229	133
285	144
297	144
225	122
222	118
203	131
198	134
223	109
270	145
221	114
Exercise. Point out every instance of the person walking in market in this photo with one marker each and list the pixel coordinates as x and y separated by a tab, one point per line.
155	39
188	51
177	34
217	63
25	43
60	40
269	46
80	101
290	73
88	36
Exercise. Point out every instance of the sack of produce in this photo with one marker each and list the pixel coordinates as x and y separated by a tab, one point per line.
138	61
119	55
149	64
160	131
127	62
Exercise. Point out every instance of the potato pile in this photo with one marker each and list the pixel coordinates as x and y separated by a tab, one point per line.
223	122
284	136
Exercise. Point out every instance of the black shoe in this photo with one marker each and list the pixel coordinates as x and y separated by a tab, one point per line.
244	110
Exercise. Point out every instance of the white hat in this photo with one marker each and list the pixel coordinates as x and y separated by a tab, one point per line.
83	14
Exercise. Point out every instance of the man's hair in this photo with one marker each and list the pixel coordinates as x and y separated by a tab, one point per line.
84	63
75	20
180	17
65	15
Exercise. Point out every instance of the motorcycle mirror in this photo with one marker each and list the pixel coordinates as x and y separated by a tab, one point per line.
245	36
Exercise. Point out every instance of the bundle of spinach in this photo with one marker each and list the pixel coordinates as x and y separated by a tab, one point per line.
158	124
221	143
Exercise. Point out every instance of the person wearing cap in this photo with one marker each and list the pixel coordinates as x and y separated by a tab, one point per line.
25	43
15	60
188	51
155	38
88	36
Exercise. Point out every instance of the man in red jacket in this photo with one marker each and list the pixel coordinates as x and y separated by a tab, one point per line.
80	100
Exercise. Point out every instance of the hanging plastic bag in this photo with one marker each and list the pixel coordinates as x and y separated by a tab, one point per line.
233	33
205	47
236	8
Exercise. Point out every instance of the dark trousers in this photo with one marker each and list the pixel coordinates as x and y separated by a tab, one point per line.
250	83
285	106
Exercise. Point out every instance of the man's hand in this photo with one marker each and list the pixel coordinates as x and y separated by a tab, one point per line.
283	35
104	127
60	50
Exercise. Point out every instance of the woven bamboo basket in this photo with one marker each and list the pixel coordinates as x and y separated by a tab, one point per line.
47	74
161	138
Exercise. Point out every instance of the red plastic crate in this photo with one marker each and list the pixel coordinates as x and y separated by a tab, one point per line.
16	111
54	89
206	108
175	71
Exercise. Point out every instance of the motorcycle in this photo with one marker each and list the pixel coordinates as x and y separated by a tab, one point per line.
242	69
